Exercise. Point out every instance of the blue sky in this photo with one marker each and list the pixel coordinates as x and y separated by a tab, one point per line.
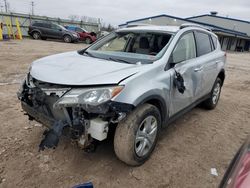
120	11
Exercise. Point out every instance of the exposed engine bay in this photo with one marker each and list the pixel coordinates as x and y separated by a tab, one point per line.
83	123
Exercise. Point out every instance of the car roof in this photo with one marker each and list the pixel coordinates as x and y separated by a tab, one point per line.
151	28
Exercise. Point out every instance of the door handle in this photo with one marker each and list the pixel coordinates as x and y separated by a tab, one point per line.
198	69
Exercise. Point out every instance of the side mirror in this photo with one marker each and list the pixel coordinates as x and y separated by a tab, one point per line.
170	63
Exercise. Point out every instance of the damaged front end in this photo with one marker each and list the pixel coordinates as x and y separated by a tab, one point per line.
79	113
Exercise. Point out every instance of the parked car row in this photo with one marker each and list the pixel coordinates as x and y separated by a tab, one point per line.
44	30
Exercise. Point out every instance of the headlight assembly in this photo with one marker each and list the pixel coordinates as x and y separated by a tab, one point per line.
93	97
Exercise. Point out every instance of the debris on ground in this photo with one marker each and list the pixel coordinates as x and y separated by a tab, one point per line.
214	172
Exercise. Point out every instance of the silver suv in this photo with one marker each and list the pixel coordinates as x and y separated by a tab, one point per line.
135	81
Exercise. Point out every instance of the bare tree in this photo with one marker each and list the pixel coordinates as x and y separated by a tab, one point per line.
74	18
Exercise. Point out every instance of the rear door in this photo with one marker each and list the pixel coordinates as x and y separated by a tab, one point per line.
208	58
45	29
184	58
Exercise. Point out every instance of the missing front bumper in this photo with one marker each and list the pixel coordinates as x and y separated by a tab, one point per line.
38	116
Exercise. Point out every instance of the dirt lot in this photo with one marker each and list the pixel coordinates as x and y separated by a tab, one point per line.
186	151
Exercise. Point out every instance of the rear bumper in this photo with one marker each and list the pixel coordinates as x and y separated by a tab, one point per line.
38	116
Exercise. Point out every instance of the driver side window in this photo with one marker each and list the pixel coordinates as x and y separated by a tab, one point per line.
185	48
55	27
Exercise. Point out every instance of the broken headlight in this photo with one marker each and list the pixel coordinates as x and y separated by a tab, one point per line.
94	97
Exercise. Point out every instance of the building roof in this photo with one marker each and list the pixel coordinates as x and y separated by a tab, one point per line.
212	27
222	17
152	17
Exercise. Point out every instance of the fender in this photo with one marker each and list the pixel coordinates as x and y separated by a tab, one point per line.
36	30
159	102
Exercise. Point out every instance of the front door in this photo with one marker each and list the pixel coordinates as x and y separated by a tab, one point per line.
56	32
184	62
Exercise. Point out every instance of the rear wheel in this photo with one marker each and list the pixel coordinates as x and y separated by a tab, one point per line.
67	39
212	101
36	35
136	136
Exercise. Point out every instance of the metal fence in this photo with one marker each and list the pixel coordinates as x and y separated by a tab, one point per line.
25	20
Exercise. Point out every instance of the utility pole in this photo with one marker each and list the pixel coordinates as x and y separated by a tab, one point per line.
6	5
32	7
1	7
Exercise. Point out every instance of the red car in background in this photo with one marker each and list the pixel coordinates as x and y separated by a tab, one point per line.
238	173
88	37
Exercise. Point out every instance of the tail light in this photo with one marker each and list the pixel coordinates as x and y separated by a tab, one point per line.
238	175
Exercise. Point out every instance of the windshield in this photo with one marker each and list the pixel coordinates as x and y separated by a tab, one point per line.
63	28
133	47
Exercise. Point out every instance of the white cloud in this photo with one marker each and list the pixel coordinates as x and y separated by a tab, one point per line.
120	11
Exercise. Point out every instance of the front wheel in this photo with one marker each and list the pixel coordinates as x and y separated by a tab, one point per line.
212	101
136	136
88	41
67	39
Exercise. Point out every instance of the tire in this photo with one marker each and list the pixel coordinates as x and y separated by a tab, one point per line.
88	40
36	35
67	39
212	101
132	143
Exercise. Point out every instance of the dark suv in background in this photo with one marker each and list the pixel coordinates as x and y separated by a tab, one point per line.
43	30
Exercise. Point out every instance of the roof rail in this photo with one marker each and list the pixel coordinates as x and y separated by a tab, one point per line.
194	25
137	24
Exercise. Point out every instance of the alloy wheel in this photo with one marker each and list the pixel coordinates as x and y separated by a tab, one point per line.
145	136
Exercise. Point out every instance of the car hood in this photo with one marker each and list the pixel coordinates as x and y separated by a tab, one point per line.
70	32
72	68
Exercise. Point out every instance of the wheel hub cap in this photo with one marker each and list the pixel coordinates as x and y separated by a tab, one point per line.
145	136
216	93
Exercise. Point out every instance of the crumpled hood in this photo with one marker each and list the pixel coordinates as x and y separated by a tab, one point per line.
72	68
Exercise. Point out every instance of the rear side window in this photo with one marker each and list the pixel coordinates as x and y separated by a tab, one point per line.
203	43
37	24
41	25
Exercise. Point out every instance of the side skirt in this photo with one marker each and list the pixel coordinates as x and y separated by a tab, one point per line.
185	110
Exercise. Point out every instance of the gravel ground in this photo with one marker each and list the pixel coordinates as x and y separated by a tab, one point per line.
186	151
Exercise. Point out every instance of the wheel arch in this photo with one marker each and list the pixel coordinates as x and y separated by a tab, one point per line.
159	102
222	75
36	30
66	34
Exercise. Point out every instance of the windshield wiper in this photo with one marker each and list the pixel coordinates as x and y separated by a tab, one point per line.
84	51
120	60
89	54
